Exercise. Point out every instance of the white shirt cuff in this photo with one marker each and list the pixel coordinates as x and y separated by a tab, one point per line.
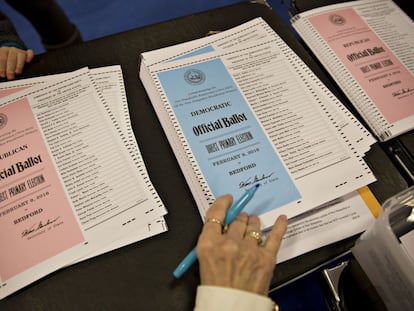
226	298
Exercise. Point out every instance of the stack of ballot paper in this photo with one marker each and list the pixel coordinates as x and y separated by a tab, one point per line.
368	49
73	182
240	108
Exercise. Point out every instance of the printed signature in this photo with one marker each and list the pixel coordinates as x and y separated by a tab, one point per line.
401	92
254	180
39	226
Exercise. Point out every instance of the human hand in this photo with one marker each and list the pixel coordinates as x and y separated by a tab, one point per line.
235	258
12	61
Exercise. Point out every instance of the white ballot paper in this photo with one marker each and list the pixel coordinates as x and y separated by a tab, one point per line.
233	120
340	219
68	187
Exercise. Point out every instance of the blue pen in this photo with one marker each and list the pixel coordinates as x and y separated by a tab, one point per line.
232	213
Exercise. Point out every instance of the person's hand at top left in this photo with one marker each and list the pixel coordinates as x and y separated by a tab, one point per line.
13	60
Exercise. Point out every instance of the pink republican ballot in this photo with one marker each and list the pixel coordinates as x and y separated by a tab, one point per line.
367	47
36	219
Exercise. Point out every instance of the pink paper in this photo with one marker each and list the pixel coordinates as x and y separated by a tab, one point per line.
36	219
380	73
7	92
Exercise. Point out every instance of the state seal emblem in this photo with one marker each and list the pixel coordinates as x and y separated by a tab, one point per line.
337	19
194	76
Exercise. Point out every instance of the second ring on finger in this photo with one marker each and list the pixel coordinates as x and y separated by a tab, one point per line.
253	231
255	235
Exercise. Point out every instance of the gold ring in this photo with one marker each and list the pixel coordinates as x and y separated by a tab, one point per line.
215	220
224	227
255	235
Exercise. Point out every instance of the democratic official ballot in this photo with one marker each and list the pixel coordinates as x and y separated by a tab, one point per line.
368	48
240	108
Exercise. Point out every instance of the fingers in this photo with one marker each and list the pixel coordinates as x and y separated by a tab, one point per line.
275	235
12	61
29	56
216	214
19	64
234	258
238	227
4	51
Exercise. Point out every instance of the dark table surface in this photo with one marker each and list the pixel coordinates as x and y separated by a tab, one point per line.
139	276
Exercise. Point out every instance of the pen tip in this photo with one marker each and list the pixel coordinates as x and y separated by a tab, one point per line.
257	186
